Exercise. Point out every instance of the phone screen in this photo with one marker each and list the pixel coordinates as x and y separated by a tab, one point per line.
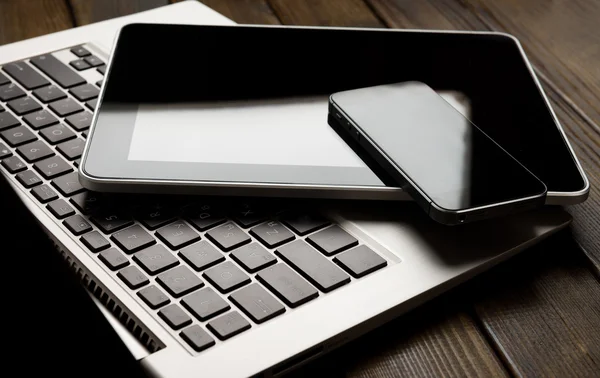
435	147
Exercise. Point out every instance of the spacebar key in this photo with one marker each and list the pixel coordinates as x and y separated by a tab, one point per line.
57	70
311	264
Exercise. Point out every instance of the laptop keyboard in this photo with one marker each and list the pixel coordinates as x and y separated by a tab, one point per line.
209	268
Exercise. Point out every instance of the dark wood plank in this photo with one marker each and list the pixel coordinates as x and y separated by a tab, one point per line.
583	134
325	13
88	11
407	14
244	11
27	19
542	311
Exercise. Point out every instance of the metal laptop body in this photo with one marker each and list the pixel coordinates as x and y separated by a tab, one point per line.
423	259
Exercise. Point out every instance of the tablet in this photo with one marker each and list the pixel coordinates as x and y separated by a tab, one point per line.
242	110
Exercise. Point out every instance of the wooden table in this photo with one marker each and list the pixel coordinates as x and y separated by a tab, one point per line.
538	314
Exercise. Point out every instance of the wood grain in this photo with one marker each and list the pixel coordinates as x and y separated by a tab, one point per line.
325	13
27	19
542	311
244	11
88	11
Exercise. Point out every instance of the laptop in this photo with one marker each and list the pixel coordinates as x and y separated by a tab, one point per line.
186	303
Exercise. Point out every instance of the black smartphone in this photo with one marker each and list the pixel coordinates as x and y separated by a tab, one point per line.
454	170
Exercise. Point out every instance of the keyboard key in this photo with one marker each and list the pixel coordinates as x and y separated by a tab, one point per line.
93	61
156	216
228	325
205	304
246	216
80	121
80	51
197	338
35	151
174	316
133	239
228	236
28	179
24	105
201	255
92	104
44	193
77	225
65	107
40	119
57	70
17	136
204	217
153	297
179	281
3	79
257	303
95	241
253	257
155	259
360	261
315	267
101	69
49	94
272	234
7	121
86	202
133	277
68	184
53	167
110	220
332	240
177	235
287	285
71	149
57	133
10	91
60	209
113	259
13	164
4	151
25	75
85	92
80	64
226	277
303	224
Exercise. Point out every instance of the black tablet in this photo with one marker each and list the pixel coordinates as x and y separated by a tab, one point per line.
243	109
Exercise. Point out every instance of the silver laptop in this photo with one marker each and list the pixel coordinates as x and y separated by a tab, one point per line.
184	300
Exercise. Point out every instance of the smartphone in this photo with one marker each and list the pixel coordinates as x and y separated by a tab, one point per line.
450	167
